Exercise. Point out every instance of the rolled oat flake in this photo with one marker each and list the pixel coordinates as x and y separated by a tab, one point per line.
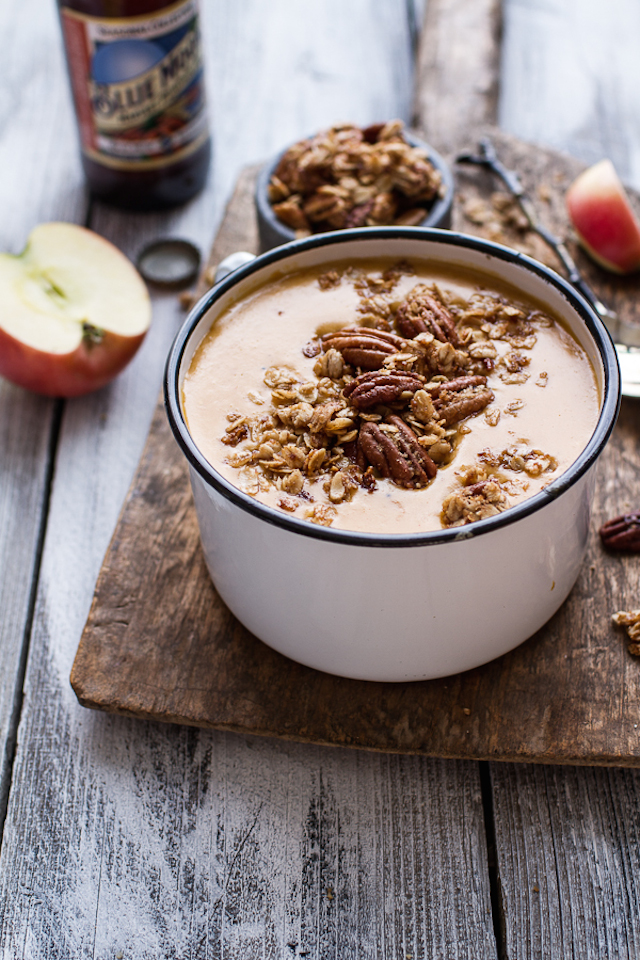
169	263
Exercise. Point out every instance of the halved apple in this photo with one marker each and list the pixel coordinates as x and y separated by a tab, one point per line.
606	225
73	311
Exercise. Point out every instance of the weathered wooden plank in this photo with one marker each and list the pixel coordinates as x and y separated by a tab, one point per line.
571	78
25	426
545	174
569	861
567	839
221	676
208	845
40	181
457	76
142	840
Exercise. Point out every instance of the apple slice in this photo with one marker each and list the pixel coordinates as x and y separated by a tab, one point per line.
606	225
73	311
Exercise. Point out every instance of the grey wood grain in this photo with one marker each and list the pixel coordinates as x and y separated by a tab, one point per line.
569	860
191	844
567	869
39	181
129	839
41	177
571	78
568	839
457	75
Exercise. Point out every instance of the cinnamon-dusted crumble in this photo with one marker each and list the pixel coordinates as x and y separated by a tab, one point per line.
485	487
383	394
350	176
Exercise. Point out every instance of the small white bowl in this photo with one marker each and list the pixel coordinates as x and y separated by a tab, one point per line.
408	606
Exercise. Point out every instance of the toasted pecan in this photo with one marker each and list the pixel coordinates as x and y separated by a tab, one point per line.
369	389
396	454
420	312
362	346
622	533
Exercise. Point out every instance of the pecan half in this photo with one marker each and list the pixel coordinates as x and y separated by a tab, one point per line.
302	171
358	216
396	455
363	346
457	399
369	389
622	533
460	383
421	313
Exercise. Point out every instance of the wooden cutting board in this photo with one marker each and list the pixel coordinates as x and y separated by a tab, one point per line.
160	644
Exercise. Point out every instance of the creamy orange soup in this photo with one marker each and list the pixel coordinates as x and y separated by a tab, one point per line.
326	394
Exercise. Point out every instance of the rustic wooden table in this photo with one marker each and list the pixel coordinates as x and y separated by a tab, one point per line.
129	839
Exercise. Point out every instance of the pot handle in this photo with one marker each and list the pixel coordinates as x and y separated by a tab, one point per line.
231	263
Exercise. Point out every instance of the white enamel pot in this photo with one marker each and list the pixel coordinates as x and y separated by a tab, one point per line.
407	606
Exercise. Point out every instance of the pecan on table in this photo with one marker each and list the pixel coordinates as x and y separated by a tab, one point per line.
362	346
396	455
457	399
622	533
369	389
421	313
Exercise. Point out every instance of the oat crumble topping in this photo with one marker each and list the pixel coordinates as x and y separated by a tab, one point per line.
392	394
349	176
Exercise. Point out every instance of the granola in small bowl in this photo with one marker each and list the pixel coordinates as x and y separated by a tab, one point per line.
350	176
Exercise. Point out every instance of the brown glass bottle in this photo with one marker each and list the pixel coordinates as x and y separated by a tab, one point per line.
136	76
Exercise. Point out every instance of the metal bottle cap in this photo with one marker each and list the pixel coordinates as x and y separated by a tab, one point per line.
169	263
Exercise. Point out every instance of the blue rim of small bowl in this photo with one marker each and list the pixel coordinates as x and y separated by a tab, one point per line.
439	215
593	449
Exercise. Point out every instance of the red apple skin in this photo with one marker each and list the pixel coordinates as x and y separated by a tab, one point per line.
87	368
606	225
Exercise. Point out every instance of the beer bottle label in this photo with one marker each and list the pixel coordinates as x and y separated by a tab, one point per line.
137	85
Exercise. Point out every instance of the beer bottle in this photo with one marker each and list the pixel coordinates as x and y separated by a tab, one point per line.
137	82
